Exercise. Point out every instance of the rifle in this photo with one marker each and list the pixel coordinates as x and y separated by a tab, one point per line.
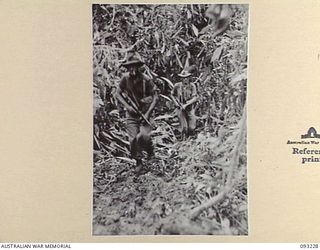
133	105
174	100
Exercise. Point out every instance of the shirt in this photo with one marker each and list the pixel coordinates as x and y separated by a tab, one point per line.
139	88
184	92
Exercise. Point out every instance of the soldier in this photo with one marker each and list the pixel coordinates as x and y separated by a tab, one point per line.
184	95
219	16
137	93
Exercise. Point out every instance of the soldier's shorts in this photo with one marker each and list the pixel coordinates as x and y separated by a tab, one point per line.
187	120
139	137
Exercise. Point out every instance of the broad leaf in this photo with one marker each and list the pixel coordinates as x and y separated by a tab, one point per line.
216	54
195	30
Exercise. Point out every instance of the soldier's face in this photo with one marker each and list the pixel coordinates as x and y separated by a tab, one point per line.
185	80
133	70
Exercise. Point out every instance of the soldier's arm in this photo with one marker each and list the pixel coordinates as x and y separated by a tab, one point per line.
153	102
119	96
173	94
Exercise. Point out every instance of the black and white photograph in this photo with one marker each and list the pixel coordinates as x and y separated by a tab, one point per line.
169	119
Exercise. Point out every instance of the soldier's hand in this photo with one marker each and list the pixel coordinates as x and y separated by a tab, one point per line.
147	99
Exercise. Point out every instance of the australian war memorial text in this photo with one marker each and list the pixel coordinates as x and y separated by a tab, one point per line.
309	155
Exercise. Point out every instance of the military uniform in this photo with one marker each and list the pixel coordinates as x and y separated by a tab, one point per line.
183	93
140	90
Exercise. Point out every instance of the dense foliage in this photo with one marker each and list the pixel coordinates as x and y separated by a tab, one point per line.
196	186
